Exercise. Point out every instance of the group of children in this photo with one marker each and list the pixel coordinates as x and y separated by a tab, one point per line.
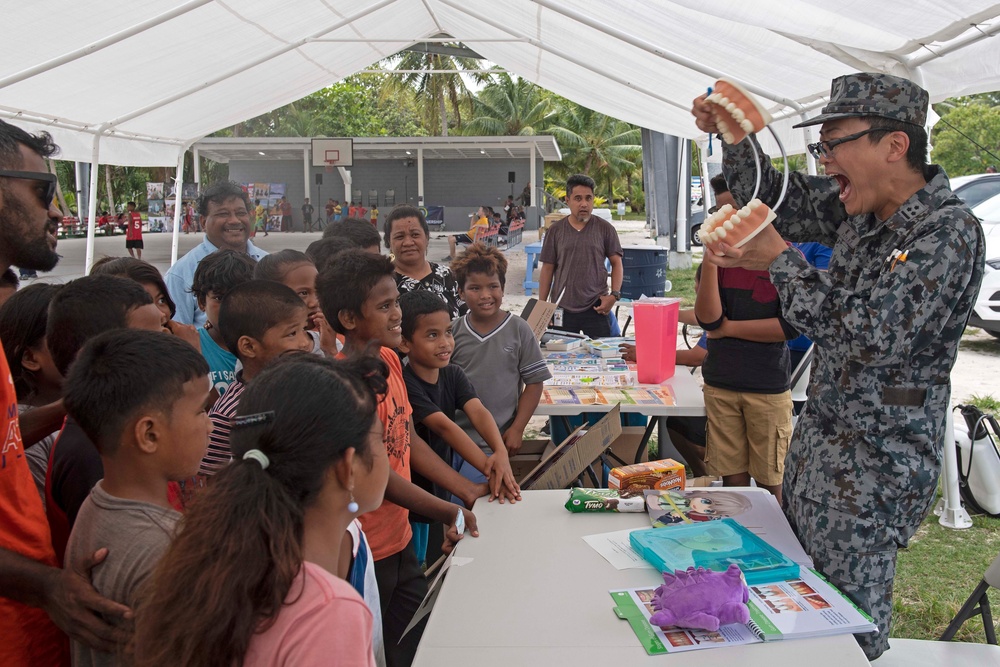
262	484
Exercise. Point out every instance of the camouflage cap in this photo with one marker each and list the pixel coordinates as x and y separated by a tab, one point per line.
874	94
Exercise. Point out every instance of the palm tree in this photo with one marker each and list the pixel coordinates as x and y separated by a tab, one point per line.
510	107
597	145
434	92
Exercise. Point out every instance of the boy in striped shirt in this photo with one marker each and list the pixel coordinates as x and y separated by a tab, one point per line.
260	321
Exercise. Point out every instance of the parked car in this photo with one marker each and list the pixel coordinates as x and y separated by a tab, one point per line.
976	189
986	311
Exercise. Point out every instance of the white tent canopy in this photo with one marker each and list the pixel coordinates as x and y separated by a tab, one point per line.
153	76
137	83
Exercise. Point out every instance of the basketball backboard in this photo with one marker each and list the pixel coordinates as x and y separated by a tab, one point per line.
340	151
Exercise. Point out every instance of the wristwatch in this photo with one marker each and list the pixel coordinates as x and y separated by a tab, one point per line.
617	294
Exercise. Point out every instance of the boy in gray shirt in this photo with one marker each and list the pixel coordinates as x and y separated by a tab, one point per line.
496	349
142	399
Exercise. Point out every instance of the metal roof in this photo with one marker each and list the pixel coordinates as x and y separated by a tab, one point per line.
225	149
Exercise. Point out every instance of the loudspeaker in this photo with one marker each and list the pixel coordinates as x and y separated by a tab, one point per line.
511	178
319	179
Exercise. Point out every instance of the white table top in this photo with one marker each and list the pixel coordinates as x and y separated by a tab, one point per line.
688	397
536	594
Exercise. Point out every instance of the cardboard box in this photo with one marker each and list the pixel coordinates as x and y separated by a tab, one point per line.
659	475
547	222
628	442
703	481
566	462
529	456
538	314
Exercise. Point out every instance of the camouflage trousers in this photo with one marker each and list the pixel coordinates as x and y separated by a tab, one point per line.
857	556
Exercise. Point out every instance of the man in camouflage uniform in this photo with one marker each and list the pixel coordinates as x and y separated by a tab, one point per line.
886	319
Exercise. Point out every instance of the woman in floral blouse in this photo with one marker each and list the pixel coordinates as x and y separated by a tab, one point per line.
406	236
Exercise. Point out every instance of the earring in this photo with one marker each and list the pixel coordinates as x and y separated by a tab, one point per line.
352	506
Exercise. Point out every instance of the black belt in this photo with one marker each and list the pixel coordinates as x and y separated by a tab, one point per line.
908	396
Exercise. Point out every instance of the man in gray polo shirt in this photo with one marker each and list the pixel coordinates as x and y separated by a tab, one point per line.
572	259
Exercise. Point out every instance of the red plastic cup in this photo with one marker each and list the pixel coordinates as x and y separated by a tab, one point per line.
655	338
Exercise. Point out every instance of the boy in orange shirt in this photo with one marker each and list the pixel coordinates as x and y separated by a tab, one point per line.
359	299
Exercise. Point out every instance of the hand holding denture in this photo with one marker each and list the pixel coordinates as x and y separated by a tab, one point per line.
736	112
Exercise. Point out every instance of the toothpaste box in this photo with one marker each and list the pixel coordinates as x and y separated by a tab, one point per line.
660	475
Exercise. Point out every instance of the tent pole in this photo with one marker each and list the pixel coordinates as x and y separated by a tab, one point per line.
102	43
683	196
197	169
642	44
565	56
420	177
95	155
247	65
179	186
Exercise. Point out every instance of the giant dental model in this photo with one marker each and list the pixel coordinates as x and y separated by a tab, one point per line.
737	113
735	227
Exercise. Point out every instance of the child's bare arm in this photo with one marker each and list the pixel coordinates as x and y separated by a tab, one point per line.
526	406
502	484
412	497
686	316
759	331
708	302
427	463
457	439
693	357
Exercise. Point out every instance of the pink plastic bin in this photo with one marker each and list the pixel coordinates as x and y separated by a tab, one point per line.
656	338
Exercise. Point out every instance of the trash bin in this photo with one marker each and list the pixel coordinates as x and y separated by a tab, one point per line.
645	271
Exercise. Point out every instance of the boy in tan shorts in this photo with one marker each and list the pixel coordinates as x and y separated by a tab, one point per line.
747	397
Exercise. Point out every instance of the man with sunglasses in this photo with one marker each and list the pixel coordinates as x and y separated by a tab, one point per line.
886	319
36	597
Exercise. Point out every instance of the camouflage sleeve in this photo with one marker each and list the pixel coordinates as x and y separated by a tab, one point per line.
907	309
811	210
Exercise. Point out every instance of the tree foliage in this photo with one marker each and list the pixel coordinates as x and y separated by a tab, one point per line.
511	106
967	139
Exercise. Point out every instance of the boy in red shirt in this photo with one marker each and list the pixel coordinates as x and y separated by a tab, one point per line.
133	233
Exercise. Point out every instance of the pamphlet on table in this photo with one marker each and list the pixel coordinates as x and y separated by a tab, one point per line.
596	395
796	608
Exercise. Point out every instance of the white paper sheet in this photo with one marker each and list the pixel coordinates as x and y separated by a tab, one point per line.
616	549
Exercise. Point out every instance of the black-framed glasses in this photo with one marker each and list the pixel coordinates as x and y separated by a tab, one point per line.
824	149
45	177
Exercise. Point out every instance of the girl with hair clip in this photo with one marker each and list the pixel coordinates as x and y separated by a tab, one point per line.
256	575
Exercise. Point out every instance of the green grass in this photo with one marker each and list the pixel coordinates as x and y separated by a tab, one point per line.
988	346
936	574
987	403
683	285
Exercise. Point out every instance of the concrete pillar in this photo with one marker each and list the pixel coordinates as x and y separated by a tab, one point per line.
420	177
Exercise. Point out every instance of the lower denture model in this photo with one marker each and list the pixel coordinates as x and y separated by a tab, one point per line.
735	227
737	113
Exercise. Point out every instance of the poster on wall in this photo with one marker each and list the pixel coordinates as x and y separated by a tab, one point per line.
159	224
259	190
168	209
434	214
154	191
170	190
155	207
277	190
190	191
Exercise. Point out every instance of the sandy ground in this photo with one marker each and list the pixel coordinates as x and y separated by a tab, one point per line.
976	372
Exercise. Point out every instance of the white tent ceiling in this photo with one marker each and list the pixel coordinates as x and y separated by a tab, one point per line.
153	76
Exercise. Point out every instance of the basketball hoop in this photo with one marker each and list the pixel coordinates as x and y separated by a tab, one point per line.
329	165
